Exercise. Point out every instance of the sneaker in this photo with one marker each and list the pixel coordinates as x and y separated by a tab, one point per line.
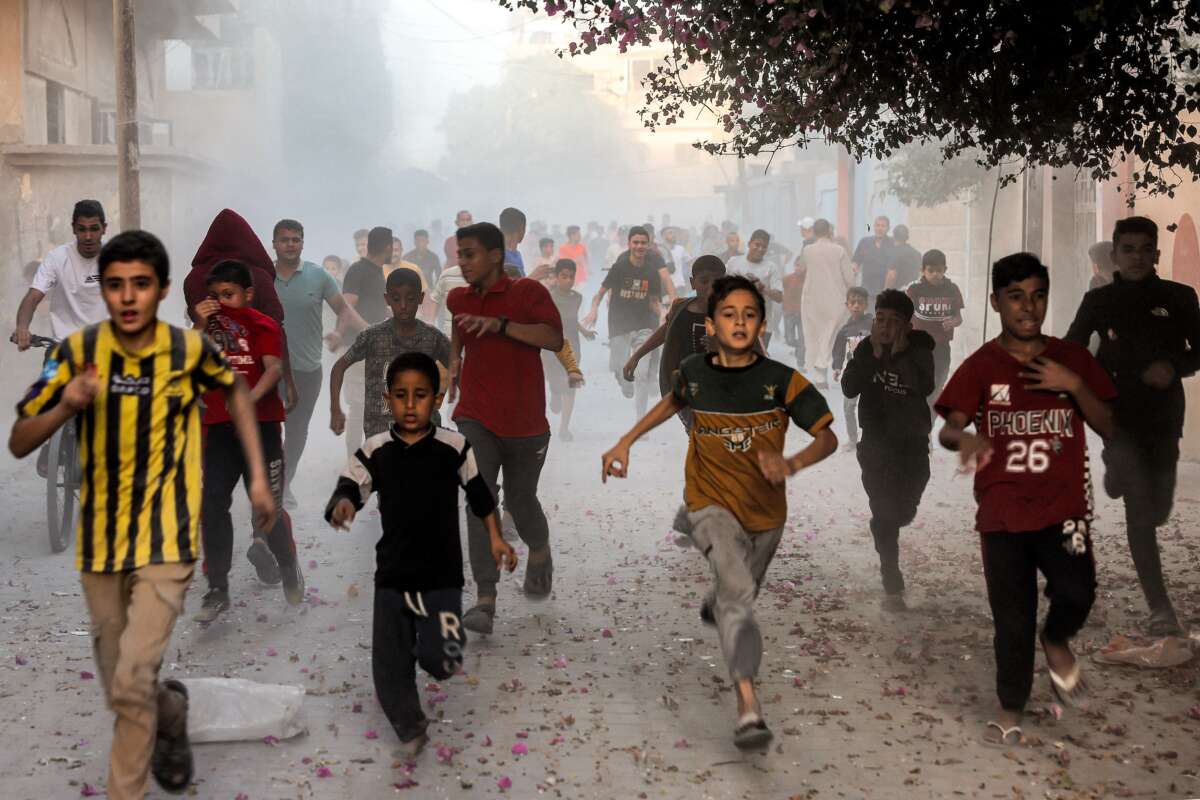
539	577
293	582
480	618
894	603
1164	622
706	613
264	562
627	388
752	733
849	447
215	601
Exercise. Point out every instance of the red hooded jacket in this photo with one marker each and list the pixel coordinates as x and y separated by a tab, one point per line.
230	236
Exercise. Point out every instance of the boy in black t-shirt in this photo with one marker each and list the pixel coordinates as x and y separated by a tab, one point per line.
938	308
856	329
417	469
1149	331
633	313
891	373
683	332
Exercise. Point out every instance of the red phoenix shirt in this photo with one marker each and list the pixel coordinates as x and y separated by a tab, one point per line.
501	381
1039	474
245	336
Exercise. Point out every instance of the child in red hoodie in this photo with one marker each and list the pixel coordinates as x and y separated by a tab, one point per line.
253	344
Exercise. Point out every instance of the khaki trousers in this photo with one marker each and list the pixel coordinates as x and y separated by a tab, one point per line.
133	613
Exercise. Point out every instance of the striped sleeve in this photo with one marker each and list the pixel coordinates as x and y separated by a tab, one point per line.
212	371
355	483
805	405
46	391
479	496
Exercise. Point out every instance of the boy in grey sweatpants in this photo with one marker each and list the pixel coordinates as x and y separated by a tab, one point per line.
735	472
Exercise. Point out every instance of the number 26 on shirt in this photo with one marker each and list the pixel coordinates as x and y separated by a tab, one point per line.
1031	455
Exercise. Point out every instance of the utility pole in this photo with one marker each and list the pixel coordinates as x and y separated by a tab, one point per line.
128	168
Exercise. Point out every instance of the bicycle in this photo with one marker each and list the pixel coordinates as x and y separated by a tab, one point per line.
63	473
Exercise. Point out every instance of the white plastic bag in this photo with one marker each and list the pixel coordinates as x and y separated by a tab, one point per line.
236	709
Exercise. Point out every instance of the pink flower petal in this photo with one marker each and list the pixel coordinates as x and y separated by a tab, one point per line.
522	734
324	772
606	634
21	661
272	652
487	741
407	783
312	564
445	754
504	783
88	790
371	734
84	675
356	708
271	740
520	749
682	744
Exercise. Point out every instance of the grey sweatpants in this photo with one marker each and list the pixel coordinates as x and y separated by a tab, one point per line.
739	560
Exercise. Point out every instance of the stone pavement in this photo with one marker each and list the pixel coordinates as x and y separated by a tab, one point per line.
613	688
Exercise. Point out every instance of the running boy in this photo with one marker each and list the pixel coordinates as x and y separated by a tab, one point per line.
1149	331
891	373
736	472
379	345
793	300
683	333
417	469
855	330
938	308
132	385
252	344
1028	396
562	379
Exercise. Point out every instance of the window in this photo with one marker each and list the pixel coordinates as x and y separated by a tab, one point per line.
56	114
104	124
222	67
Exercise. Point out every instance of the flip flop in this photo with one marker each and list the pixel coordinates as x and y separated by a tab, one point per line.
1070	689
752	733
172	764
1003	742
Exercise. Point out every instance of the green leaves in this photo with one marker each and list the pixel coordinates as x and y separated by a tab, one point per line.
1006	81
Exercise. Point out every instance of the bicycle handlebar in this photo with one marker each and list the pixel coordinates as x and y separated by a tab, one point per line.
36	341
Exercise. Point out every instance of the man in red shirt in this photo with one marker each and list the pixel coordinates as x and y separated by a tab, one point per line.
1028	396
500	327
461	220
252	342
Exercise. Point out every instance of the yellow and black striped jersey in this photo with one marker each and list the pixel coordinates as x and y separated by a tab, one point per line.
139	442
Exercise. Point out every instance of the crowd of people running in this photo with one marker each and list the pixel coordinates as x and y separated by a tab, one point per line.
443	366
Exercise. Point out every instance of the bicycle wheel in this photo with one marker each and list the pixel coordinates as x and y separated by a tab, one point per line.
62	469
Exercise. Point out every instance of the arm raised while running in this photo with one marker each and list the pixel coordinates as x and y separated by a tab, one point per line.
616	461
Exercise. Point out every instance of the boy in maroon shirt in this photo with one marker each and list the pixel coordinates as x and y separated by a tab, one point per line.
1028	396
252	342
500	327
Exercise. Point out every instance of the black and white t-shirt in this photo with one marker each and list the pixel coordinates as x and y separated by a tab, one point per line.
418	501
633	288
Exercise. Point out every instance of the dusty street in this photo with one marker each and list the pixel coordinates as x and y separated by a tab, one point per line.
614	688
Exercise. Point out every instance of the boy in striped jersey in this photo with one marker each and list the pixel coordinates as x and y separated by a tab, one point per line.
132	387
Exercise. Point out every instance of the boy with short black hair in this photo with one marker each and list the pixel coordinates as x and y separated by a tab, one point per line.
379	345
736	472
565	376
683	333
252	343
1149	330
856	328
1028	396
132	385
938	308
891	373
417	469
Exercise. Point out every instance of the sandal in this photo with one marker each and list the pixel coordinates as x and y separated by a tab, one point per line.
539	576
752	733
172	764
1070	689
1003	740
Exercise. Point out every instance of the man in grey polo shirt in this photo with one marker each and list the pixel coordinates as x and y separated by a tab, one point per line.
303	288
